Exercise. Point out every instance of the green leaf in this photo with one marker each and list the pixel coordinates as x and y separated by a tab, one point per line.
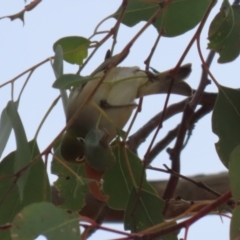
66	81
98	154
234	173
22	156
58	61
75	48
235	224
47	220
58	71
71	183
222	24
143	211
177	17
224	33
5	128
37	188
125	174
225	122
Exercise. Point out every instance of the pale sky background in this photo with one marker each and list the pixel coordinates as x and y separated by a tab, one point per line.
24	46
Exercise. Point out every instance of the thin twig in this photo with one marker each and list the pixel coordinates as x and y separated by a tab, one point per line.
198	184
46	115
26	71
25	84
147	61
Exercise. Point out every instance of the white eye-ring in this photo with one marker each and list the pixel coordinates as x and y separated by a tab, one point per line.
80	158
80	139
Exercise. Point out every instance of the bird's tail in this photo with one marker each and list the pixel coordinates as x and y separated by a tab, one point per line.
161	83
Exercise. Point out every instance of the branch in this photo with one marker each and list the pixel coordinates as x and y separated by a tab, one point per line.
161	145
20	15
186	190
135	140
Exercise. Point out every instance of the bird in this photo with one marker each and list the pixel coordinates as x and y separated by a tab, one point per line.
112	104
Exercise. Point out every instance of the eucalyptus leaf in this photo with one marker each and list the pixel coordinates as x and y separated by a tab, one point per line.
58	61
125	174
71	183
5	128
234	173
75	48
222	24
143	210
225	122
176	17
235	223
47	220
22	157
58	71
66	81
37	188
224	33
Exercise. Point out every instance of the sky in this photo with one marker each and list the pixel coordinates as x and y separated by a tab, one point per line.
23	46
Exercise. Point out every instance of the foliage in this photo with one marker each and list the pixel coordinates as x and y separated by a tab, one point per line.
112	174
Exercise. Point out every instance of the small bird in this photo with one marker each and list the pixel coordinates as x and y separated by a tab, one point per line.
112	104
